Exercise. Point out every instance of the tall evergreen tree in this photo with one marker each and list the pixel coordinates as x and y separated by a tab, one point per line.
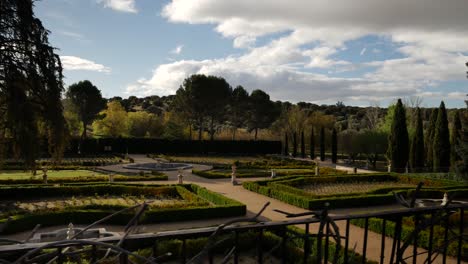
417	145
455	138
334	146
303	154
286	145
31	84
322	144
398	142
294	154
312	144
429	144
441	147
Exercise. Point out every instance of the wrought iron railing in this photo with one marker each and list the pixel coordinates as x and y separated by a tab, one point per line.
433	234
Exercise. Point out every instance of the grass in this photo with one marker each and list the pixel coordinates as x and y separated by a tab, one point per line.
15	175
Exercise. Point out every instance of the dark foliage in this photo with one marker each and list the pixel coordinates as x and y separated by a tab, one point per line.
30	83
417	145
429	144
294	154
441	147
312	144
322	144
398	142
334	146
303	153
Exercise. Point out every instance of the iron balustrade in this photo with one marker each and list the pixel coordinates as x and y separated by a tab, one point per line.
315	244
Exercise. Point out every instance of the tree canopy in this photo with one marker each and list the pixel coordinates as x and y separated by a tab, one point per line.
30	83
87	102
398	142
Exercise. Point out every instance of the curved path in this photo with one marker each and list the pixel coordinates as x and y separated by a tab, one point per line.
255	202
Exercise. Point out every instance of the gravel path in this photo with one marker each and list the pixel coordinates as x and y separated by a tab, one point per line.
256	201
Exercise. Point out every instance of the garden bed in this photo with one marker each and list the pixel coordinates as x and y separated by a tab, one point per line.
84	204
72	176
295	189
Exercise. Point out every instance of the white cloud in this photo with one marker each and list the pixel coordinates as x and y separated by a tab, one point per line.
120	5
177	50
430	34
73	63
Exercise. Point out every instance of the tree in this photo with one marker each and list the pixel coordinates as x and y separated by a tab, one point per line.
350	143
441	147
371	143
262	112
322	144
144	124
398	142
286	145
456	138
312	143
417	144
429	144
114	123
87	102
238	109
334	146
203	98
31	84
294	154
303	154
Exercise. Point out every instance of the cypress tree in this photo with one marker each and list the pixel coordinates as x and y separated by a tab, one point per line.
417	145
286	145
455	138
294	154
430	139
334	146
303	154
398	142
312	144
322	144
441	147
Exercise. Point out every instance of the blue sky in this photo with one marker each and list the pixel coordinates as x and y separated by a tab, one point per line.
302	51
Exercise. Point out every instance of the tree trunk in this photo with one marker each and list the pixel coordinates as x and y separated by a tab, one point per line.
83	135
234	130
200	129
212	130
256	133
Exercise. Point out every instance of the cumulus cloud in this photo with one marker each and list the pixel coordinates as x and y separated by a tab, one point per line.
430	35
120	5
73	63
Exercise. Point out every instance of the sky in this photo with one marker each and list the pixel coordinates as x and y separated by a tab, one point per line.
360	52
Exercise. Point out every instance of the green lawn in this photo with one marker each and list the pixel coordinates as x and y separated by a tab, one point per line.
50	174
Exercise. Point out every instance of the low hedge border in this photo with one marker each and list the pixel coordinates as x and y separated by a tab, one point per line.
220	205
282	190
376	225
85	179
210	174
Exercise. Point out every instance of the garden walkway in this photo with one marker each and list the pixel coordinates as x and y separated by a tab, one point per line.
255	202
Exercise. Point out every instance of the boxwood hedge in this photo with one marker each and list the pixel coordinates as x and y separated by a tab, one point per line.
284	189
220	206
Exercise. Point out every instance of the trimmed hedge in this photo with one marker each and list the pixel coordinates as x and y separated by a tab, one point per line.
85	179
151	145
212	174
285	190
220	205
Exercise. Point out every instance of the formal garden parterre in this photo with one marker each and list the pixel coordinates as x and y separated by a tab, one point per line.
84	204
352	190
